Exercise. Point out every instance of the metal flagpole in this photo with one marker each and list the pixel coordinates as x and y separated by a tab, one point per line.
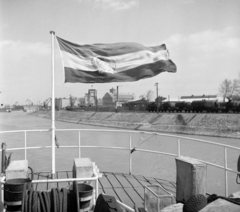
53	109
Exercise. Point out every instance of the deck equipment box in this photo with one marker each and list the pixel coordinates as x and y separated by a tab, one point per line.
82	168
191	178
17	169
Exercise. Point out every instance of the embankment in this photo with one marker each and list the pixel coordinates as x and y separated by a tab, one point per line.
223	125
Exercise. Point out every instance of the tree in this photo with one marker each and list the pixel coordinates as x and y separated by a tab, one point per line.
230	89
133	95
72	100
148	96
225	89
142	96
236	88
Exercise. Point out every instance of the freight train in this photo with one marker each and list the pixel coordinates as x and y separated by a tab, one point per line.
209	106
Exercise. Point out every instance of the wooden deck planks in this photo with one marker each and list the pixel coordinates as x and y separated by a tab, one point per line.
128	189
133	193
105	182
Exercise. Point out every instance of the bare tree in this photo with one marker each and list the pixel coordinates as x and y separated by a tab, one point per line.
72	100
236	88
148	96
225	89
230	89
133	95
81	101
142	96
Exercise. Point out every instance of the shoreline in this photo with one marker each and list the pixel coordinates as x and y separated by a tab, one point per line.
217	125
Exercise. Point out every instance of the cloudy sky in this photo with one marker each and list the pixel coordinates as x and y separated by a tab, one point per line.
203	38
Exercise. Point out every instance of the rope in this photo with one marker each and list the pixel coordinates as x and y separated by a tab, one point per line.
142	141
56	200
64	199
41	206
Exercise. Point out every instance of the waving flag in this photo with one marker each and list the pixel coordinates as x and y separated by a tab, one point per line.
118	62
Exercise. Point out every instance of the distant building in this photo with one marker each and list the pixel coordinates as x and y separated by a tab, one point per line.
200	97
91	97
111	97
61	103
99	102
125	98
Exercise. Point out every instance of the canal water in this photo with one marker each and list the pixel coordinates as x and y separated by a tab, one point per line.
147	164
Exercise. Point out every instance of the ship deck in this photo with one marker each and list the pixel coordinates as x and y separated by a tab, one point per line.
128	189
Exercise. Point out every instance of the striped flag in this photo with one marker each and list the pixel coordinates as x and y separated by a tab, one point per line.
118	62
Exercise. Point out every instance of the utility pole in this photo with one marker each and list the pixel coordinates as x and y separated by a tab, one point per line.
96	101
117	99
157	94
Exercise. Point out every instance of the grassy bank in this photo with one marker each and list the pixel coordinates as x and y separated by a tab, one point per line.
224	125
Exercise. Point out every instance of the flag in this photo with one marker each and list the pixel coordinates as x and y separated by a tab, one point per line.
118	62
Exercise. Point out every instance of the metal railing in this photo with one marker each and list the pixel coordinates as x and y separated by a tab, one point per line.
131	149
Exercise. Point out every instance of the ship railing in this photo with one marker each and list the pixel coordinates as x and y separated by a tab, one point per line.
131	149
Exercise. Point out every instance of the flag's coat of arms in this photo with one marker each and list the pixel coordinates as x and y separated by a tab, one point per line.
104	64
118	62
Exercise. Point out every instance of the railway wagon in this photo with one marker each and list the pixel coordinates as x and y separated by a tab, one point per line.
152	107
231	106
183	106
204	105
167	106
197	106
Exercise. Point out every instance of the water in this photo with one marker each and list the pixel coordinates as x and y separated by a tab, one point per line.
147	164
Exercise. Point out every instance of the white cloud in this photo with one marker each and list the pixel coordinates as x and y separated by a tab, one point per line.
20	49
114	4
187	1
206	58
207	42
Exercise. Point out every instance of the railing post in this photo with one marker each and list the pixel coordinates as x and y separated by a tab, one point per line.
4	147
226	174
178	147
25	145
79	144
130	155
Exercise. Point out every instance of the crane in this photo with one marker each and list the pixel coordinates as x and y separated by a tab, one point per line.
15	104
45	103
29	102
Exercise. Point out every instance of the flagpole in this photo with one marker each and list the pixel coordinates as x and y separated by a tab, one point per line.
53	109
